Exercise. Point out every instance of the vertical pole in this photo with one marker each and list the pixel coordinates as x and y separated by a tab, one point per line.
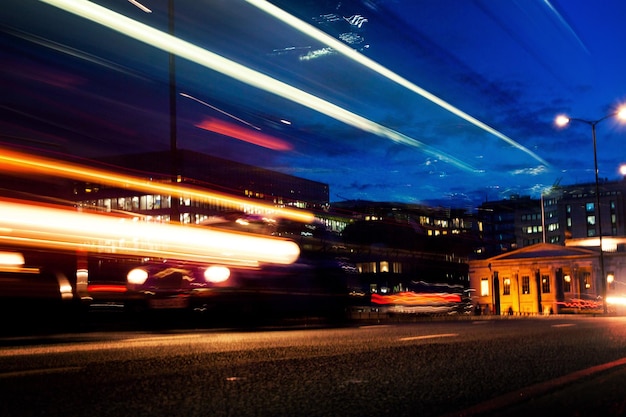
599	211
174	201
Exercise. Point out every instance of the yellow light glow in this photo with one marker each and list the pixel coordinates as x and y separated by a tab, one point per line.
16	162
11	259
561	120
616	300
217	274
22	223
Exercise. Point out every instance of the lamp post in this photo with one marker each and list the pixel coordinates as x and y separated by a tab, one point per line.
174	202
562	121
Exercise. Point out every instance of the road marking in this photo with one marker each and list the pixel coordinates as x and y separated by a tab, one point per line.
534	391
40	371
428	336
564	325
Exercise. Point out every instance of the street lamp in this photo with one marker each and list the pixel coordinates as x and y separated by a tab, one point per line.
562	121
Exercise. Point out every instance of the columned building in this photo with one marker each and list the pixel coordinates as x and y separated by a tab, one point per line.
547	278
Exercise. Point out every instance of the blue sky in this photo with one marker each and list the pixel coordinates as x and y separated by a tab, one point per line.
445	102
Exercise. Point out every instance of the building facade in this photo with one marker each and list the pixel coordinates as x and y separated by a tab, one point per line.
204	172
547	278
561	214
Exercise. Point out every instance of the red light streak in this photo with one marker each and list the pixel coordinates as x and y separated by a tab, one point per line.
411	298
580	303
106	288
247	135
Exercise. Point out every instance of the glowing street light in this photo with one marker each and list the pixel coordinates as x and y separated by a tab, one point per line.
563	121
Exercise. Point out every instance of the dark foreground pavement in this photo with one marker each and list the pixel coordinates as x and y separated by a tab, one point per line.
598	391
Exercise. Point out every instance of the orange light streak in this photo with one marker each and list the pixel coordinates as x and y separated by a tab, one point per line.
26	224
247	135
13	161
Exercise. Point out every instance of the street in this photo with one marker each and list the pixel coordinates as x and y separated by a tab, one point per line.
428	368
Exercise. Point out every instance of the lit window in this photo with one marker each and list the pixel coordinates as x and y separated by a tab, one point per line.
526	284
484	287
506	286
545	284
567	283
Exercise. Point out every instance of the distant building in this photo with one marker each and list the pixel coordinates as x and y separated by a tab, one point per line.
430	221
571	212
563	213
203	171
510	224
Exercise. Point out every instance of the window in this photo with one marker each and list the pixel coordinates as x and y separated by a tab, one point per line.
591	222
484	287
590	207
506	286
545	284
587	280
567	283
366	267
525	284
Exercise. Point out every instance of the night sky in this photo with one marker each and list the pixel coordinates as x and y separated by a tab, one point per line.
447	102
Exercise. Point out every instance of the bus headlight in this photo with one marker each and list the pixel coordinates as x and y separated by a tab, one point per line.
137	276
216	274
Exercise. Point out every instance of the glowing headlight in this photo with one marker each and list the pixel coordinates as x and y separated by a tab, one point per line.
137	276
11	258
216	274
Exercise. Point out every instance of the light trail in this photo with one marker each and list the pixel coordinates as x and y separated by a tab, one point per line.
225	113
390	75
428	336
12	162
24	223
194	53
246	135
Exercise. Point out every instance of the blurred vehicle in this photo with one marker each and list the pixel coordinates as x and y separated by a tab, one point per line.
36	288
314	285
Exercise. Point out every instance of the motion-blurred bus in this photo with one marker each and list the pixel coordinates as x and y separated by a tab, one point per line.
313	285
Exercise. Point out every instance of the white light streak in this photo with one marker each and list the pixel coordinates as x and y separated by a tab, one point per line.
194	53
139	5
219	110
374	66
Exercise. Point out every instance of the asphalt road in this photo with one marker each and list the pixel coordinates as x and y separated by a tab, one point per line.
430	368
